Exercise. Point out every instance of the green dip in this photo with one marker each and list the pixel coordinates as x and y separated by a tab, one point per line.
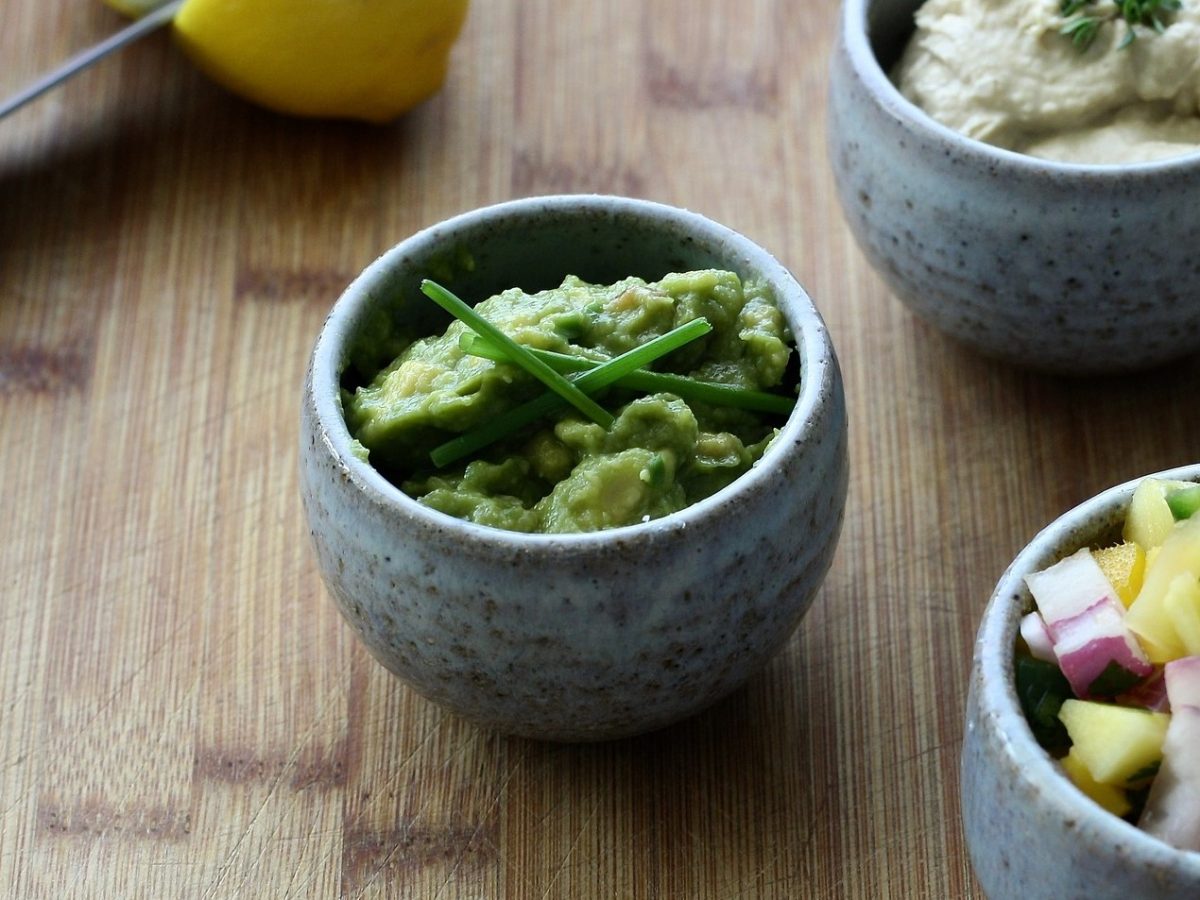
565	473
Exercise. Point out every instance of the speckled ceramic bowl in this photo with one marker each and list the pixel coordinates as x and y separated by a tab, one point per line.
1031	833
585	636
1064	268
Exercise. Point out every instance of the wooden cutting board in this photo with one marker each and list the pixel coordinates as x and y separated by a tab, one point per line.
183	713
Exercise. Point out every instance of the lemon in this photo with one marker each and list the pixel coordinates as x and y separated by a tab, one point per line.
352	59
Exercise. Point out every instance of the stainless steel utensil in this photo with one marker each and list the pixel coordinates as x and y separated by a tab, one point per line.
152	21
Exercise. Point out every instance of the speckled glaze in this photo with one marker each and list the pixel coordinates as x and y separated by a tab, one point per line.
1064	268
588	636
1030	833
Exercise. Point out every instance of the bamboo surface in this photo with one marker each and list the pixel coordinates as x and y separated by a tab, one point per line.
182	711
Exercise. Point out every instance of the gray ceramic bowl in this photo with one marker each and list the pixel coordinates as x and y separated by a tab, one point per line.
1065	268
1030	832
585	636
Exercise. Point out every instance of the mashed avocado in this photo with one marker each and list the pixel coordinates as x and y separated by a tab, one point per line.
567	474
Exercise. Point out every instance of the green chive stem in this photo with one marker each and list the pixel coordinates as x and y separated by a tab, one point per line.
710	392
595	379
518	355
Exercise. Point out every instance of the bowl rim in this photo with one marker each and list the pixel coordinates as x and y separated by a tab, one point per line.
818	366
861	55
998	700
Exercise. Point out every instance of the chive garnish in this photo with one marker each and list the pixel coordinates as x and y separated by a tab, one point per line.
601	376
518	355
711	392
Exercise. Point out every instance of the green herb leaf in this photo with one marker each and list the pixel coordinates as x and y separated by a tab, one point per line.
1115	679
710	392
1042	688
593	380
1137	798
1083	27
1184	502
655	473
1082	31
1143	775
517	354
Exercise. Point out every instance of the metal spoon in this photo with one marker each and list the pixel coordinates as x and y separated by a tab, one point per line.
143	26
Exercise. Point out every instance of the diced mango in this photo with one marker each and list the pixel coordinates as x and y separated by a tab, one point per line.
1124	566
1117	744
1149	519
1111	798
1147	617
1182	606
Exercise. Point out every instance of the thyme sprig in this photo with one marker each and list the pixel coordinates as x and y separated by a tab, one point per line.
1084	23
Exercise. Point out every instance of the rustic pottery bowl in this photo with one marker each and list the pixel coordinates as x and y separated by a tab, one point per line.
580	636
1075	269
1030	832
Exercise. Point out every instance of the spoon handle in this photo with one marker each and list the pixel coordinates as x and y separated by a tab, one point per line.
143	26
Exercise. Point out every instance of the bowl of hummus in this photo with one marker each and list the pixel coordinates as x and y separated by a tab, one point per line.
1026	191
579	573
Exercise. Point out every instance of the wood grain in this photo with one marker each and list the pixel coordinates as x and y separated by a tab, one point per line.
184	714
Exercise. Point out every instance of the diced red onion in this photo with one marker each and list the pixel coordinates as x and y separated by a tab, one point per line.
1182	677
1069	587
1172	812
1087	643
1037	638
1150	693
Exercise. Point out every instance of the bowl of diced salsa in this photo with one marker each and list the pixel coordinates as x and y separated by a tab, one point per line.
1081	757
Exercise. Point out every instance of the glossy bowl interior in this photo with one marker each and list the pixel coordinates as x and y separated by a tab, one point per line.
1030	832
1074	269
577	636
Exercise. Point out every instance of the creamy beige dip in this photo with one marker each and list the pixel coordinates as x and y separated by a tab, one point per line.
999	71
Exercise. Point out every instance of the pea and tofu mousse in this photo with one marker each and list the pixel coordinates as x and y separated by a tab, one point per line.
687	380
